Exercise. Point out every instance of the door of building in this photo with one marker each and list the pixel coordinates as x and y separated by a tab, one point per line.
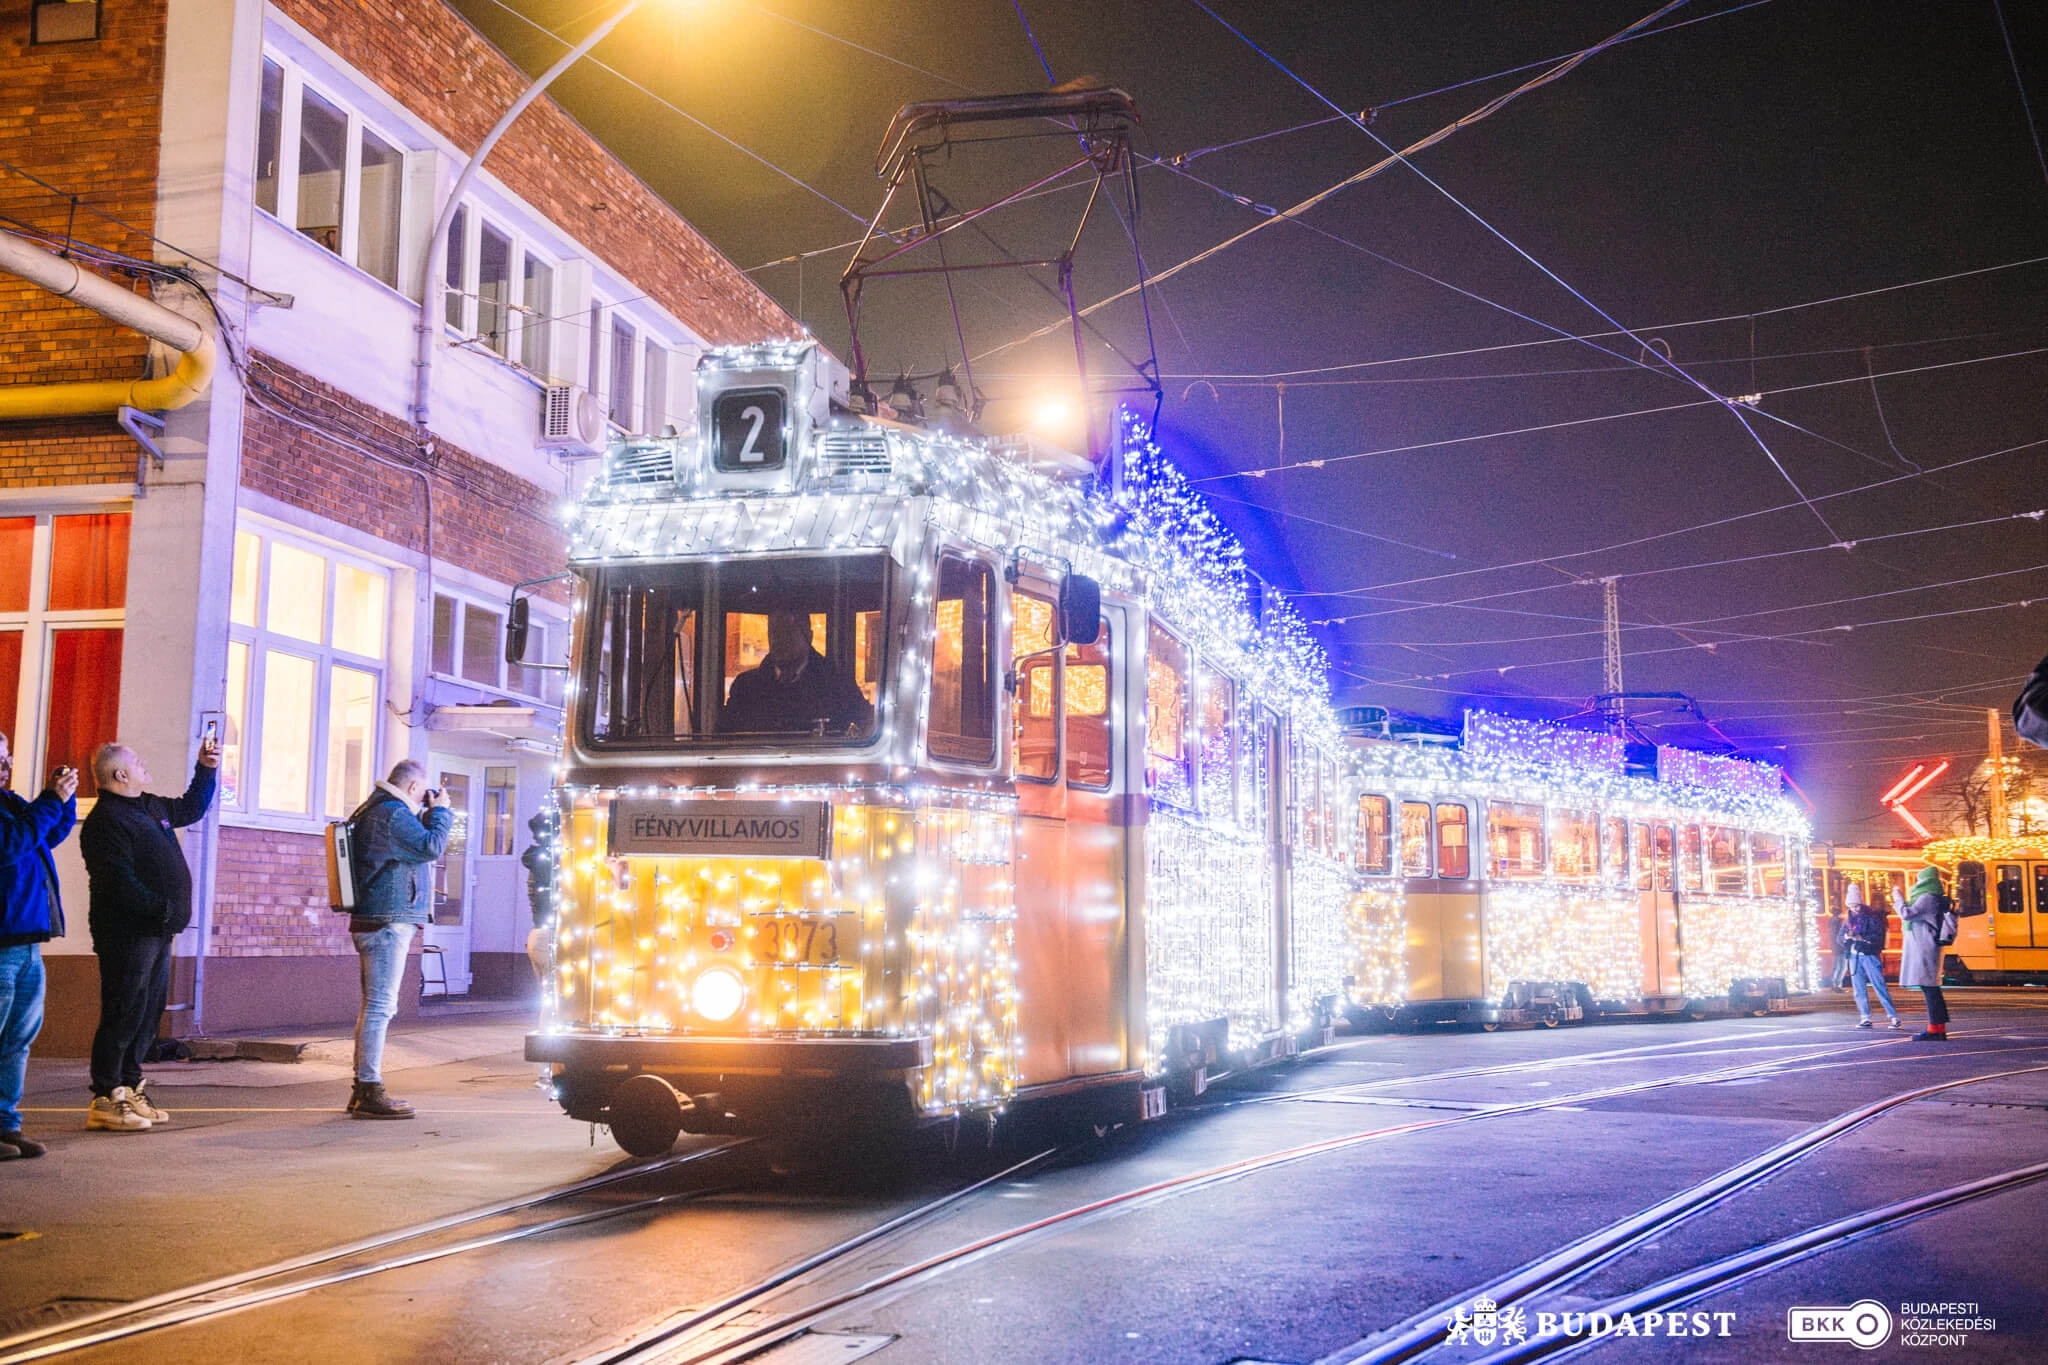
461	782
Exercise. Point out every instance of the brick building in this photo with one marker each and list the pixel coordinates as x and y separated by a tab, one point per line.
331	583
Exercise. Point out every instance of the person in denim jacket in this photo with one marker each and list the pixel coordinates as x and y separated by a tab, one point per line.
30	916
398	834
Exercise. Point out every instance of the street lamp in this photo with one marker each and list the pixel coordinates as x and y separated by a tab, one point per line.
433	283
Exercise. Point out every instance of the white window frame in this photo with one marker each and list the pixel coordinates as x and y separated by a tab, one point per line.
29	727
296	82
259	638
520	312
543	627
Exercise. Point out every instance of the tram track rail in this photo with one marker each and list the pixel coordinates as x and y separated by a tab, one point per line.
1423	1333
1689	1286
705	1337
193	1302
247	1289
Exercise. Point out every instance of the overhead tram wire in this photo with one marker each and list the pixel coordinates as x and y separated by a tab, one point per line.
2034	515
2026	106
1713	620
1552	559
1486	110
1458	85
1789	637
1405	158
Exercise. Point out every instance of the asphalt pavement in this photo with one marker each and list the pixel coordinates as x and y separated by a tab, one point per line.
1301	1214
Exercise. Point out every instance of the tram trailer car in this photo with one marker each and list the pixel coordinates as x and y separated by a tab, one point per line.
2006	945
1520	872
1047	848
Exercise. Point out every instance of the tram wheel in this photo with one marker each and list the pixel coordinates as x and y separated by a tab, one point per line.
1551	1020
1489	1026
646	1115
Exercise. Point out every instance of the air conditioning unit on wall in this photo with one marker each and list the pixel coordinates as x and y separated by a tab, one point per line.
570	421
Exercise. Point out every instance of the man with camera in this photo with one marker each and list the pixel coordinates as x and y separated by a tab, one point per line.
141	899
30	916
398	834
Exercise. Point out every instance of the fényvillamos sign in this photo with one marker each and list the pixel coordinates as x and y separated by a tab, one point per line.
721	829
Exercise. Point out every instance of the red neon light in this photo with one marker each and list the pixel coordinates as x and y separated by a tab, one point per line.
1889	796
1910	786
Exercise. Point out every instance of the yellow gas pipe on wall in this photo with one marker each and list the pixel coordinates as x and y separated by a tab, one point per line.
67	280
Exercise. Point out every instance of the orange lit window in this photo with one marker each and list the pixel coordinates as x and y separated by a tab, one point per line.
1036	732
1087	682
1166	718
1453	841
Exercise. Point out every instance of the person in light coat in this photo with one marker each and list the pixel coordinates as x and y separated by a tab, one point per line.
1920	952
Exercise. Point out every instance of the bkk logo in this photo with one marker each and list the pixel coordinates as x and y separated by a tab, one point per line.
1484	1322
1865	1324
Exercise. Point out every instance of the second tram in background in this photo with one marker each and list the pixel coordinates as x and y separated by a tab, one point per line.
2007	945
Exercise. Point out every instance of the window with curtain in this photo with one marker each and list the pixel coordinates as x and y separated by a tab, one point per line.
63	599
308	637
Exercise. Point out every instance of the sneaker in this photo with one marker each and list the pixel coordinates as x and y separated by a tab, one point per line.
368	1101
1930	1036
1863	1023
147	1107
1897	1023
23	1146
116	1113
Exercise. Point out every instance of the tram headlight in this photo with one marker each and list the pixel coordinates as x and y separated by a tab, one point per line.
718	993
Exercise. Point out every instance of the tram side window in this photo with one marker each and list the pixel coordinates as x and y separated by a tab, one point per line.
1514	839
963	690
1257	752
1328	804
1375	835
2012	892
1727	874
1217	745
1614	852
1166	719
1769	852
1453	841
1415	831
1574	845
1088	689
1692	876
2040	887
1035	710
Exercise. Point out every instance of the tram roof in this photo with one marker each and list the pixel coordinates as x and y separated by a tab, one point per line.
840	481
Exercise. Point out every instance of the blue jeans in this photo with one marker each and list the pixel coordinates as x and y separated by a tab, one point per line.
382	952
21	1019
1863	967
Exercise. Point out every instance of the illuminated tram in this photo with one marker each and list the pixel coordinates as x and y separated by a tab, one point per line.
2006	945
1524	872
1060	811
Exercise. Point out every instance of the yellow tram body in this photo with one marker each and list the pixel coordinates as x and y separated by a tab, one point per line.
1077	820
2006	944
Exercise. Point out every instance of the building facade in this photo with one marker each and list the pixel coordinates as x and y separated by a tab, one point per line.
290	558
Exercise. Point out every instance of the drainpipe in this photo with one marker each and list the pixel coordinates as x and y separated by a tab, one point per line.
65	279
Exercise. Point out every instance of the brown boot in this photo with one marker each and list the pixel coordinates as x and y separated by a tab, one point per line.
370	1102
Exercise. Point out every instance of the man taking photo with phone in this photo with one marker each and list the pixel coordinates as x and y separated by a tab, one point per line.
141	899
398	834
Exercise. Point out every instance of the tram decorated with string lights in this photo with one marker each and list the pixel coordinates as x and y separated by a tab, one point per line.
912	774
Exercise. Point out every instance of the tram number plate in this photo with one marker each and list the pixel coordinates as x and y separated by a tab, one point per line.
816	941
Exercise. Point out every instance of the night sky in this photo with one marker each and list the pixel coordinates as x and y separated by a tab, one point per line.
1714	186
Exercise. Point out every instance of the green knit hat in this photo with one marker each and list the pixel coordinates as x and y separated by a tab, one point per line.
1928	883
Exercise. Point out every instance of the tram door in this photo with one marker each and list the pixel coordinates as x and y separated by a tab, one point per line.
1657	896
2019	914
1446	957
1070	845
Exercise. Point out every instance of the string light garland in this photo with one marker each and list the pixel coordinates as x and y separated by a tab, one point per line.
909	926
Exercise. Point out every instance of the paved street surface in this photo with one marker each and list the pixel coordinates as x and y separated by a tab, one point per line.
1416	1191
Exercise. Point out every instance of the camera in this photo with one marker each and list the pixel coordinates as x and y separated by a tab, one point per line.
431	795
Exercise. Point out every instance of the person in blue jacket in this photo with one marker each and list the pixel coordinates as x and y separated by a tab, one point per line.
398	834
31	914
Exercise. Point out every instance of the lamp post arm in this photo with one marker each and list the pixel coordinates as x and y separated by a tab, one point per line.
434	272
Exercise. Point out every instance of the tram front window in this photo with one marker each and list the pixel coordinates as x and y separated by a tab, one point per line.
770	650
